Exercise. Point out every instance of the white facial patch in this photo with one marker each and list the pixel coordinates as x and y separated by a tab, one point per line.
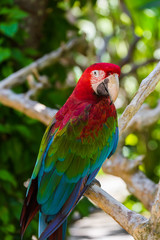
97	76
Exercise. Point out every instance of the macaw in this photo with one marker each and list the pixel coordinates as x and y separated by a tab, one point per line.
82	134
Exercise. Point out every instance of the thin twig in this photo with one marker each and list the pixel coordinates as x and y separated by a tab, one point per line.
134	67
130	51
103	49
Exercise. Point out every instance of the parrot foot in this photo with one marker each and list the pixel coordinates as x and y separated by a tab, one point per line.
95	181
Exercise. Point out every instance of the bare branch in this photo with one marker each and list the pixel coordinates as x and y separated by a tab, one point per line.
137	183
146	87
128	219
36	83
155	216
30	108
41	63
145	117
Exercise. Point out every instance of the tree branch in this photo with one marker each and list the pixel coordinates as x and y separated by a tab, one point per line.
128	219
146	87
138	122
154	220
41	63
29	107
137	183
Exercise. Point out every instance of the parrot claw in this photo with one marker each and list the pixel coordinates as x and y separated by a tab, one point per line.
95	182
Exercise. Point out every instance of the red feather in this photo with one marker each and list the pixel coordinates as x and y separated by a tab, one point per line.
30	206
57	235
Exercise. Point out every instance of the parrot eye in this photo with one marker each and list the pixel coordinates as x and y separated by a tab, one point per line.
96	73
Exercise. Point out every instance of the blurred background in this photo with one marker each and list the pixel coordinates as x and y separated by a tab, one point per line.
123	32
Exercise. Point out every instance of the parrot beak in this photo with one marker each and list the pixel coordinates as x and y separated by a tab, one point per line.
109	87
102	88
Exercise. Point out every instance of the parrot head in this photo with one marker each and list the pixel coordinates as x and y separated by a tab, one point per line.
100	79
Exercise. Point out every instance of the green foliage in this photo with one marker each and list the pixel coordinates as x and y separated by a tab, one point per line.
11	39
5	53
135	205
19	147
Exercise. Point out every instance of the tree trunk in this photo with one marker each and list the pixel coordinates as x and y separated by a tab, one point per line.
33	24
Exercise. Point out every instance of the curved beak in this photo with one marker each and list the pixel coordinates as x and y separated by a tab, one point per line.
109	87
102	88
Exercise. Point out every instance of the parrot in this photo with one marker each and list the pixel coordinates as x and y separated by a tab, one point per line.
80	137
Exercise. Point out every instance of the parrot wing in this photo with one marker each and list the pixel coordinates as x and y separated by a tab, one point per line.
30	205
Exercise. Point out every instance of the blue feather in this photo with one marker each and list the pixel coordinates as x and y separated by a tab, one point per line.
57	199
115	137
67	207
42	223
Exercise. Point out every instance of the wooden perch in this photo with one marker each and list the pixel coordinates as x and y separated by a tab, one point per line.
137	183
128	219
135	224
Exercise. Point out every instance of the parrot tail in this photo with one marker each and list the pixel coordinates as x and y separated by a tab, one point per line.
30	206
59	234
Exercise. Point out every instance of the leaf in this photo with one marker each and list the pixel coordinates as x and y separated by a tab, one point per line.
6	2
20	57
7	176
4	216
9	29
13	13
17	13
7	70
10	228
152	4
5	53
1	40
5	128
23	130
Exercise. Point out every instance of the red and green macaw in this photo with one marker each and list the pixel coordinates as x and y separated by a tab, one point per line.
81	136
